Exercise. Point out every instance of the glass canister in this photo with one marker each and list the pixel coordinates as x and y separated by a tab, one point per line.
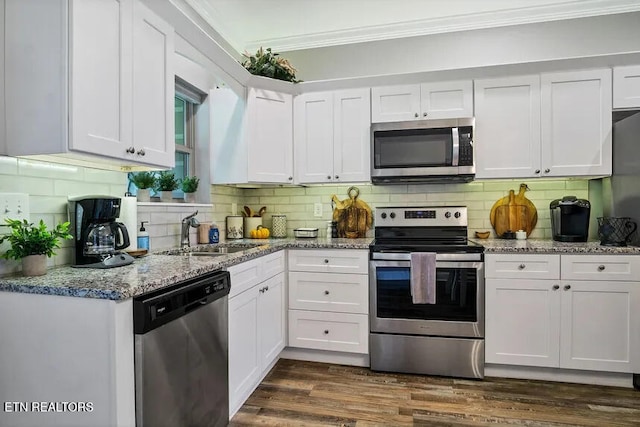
278	226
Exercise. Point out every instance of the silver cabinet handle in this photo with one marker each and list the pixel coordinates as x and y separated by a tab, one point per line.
326	331
328	176
567	287
547	170
556	287
521	267
131	150
424	114
601	268
537	171
290	178
326	292
141	153
261	290
326	261
337	177
416	115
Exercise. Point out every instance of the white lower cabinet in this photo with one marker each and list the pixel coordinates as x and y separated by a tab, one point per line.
256	324
561	321
329	300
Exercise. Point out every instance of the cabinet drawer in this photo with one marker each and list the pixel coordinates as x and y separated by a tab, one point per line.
601	267
517	266
329	331
244	276
354	261
272	264
342	293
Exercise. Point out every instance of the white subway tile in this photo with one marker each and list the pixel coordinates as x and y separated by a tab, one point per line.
8	166
108	177
75	188
454	198
408	198
36	168
44	204
30	185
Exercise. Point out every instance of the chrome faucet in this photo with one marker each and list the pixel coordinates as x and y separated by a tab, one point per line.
187	222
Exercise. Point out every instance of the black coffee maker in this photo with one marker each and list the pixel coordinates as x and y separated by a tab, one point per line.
570	219
97	236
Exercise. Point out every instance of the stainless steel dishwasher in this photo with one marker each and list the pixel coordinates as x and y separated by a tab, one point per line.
181	354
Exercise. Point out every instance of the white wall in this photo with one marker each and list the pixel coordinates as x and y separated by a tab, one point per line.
548	41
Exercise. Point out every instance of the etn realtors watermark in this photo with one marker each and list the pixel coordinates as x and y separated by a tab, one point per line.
48	406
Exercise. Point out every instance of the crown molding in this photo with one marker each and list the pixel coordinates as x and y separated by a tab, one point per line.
529	15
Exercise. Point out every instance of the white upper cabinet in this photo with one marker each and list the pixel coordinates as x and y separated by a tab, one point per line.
270	136
331	133
576	123
553	125
626	87
507	127
441	100
251	137
96	81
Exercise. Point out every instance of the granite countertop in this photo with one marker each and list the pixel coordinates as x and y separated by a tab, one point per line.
535	246
157	270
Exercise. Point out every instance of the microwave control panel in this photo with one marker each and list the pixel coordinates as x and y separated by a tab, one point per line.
466	147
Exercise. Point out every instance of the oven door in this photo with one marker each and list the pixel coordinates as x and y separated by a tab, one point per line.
459	307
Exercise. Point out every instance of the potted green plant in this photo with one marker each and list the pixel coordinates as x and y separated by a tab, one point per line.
33	244
269	64
145	181
166	182
189	187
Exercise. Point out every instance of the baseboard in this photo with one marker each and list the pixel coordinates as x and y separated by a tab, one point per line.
614	379
339	358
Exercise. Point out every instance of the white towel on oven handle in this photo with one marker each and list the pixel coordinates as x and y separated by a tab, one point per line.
423	277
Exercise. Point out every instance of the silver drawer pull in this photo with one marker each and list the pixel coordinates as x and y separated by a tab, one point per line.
326	261
601	268
567	287
521	266
556	287
326	292
326	331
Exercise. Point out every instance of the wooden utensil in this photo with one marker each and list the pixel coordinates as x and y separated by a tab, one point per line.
519	200
247	211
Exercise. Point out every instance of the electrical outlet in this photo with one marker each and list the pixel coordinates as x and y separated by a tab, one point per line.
317	209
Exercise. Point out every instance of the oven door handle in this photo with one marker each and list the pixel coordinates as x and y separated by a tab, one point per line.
406	256
439	264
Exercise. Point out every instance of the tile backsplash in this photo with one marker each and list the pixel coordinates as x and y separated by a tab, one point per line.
49	185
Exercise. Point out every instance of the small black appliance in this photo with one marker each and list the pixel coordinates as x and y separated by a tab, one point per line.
98	238
570	219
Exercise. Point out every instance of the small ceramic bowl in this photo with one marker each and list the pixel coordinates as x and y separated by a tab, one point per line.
482	234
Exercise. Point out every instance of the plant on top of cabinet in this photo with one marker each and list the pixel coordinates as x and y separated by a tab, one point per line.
166	183
266	63
144	181
189	186
33	244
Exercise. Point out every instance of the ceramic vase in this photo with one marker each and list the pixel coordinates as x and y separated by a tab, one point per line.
190	197
166	196
143	195
34	265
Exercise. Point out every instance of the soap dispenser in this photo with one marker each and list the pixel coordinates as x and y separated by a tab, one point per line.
143	237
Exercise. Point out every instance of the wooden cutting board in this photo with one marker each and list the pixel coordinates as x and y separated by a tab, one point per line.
514	212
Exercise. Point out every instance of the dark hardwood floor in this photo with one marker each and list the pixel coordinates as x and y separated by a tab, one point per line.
299	393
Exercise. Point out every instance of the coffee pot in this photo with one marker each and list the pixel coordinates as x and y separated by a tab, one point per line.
106	238
615	231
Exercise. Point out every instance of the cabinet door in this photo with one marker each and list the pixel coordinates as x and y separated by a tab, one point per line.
270	136
271	318
507	130
395	103
576	123
600	326
522	322
244	356
313	135
153	89
101	42
626	87
351	136
446	100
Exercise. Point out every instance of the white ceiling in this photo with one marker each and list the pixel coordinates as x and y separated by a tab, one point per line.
301	24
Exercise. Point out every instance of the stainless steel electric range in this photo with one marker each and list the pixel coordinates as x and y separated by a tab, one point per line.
421	251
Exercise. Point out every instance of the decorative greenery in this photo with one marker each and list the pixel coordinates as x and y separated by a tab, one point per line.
143	180
268	64
190	184
166	181
27	239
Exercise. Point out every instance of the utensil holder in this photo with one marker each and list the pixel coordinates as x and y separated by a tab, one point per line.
251	223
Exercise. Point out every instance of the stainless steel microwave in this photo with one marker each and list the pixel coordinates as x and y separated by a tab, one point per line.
422	151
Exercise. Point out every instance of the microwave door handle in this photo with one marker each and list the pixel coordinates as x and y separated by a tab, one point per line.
455	136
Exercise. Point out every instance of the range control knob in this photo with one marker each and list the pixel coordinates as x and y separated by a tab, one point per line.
384	215
447	215
457	214
392	215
